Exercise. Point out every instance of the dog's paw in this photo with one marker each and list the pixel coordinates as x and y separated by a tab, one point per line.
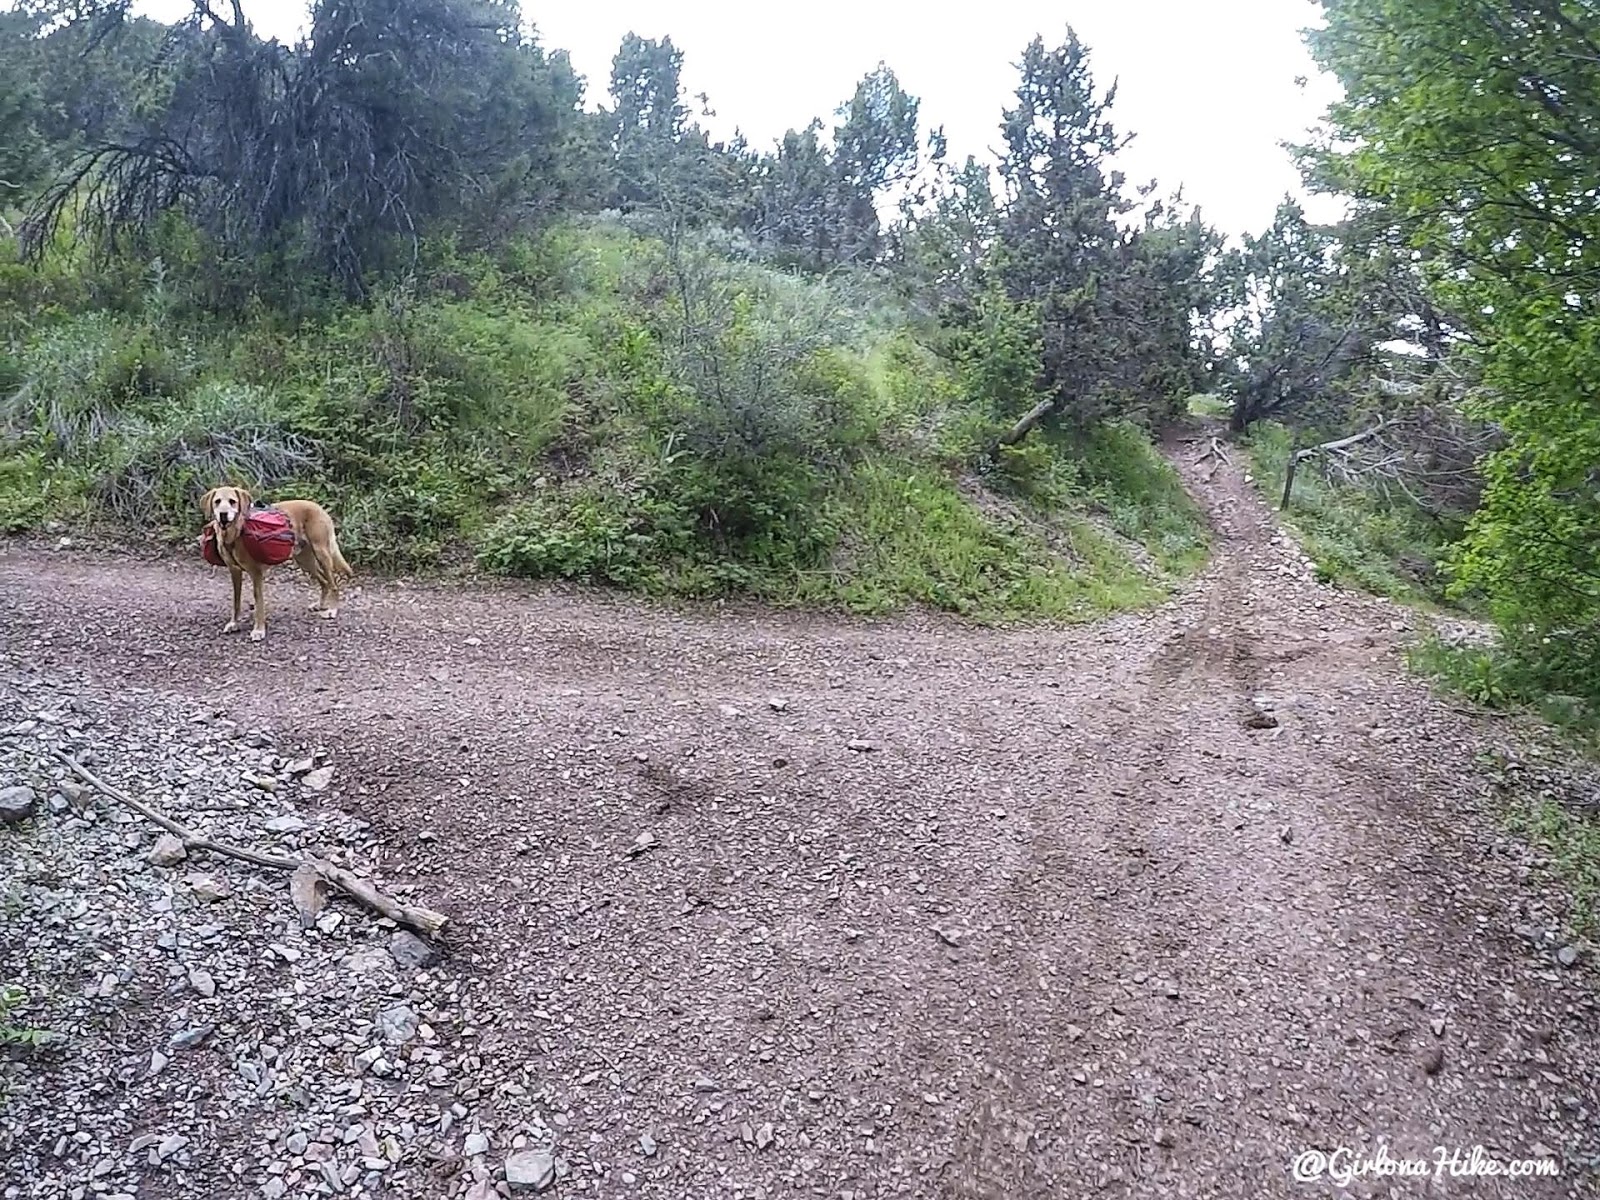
314	606
258	635
231	627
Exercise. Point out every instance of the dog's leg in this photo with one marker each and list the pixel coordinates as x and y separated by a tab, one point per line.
257	583
306	559
328	603
238	589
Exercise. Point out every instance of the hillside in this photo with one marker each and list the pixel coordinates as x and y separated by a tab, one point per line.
593	405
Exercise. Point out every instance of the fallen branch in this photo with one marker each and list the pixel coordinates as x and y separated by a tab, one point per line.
1299	456
420	920
1022	428
1216	452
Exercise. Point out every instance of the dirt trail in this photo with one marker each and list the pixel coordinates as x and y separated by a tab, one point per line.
962	913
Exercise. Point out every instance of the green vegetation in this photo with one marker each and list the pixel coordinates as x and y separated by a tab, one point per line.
598	403
12	1001
1466	138
495	330
1357	536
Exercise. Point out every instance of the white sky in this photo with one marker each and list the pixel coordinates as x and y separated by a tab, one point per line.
1207	85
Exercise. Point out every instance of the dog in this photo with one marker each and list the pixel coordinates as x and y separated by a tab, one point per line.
316	551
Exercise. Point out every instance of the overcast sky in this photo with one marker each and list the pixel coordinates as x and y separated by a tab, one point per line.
1209	86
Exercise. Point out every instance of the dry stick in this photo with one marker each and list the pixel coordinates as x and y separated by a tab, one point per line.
1299	456
423	920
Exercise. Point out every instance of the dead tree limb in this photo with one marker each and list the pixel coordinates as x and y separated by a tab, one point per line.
1299	456
1023	427
420	920
1219	458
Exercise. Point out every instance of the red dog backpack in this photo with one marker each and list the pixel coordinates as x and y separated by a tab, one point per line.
268	537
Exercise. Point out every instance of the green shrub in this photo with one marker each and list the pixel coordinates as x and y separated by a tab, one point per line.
156	470
83	379
1355	535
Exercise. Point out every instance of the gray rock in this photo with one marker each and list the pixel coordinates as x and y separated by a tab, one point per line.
411	951
319	779
16	804
476	1143
190	1038
297	1143
370	961
397	1025
647	1145
207	888
168	852
171	1145
533	1170
288	823
1567	956
202	982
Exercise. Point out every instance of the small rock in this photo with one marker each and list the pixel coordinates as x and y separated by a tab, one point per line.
531	1169
288	823
206	888
1260	720
319	779
300	766
168	851
297	1143
647	1145
705	1084
170	1146
861	746
410	951
190	1038
369	961
645	841
1567	956
202	982
397	1025
476	1144
778	705
16	804
764	1136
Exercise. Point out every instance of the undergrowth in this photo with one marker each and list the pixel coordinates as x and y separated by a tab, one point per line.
1355	536
598	404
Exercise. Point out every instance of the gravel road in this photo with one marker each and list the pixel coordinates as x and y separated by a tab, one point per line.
754	905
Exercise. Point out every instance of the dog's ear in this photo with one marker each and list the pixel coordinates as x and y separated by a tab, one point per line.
246	501
205	504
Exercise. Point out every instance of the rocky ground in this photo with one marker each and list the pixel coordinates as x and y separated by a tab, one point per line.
754	905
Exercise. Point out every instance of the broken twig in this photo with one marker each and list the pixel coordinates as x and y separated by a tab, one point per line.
420	920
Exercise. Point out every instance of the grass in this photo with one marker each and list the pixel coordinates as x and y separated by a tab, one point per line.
1356	537
1500	680
593	404
913	536
1571	842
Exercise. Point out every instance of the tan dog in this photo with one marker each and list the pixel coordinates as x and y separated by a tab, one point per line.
316	550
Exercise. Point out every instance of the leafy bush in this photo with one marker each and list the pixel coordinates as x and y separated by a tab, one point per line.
156	470
1354	535
83	379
